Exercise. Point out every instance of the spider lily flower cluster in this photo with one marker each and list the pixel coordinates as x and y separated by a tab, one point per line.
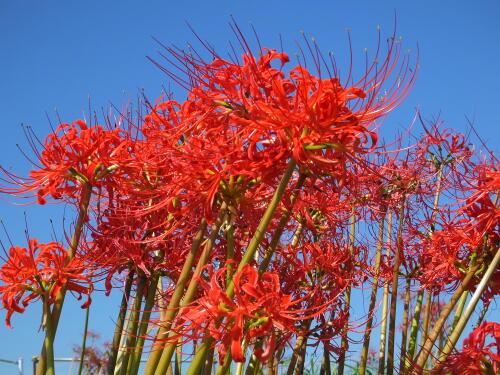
241	222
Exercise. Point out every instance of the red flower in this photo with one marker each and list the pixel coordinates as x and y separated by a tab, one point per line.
258	308
73	155
40	271
477	355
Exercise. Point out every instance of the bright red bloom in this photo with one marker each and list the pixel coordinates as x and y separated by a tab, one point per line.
73	155
258	308
40	272
478	355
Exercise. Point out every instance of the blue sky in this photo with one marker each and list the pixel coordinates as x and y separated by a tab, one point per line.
55	54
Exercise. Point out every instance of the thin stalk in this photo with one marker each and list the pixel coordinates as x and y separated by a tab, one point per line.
412	345
173	304
84	341
347	296
134	320
123	340
265	221
169	349
222	370
209	362
427	317
325	363
385	303
230	243
471	306
199	357
299	369
169	370
143	326
404	329
276	361
373	296
119	325
438	326
49	341
300	343
459	310
394	290
285	217
239	368
253	363
482	314
73	245
178	360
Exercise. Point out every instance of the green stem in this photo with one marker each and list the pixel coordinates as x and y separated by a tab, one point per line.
169	349
253	363
471	306
412	345
230	243
385	303
200	355
143	326
73	246
49	341
178	360
285	217
443	317
119	325
265	221
84	341
482	314
404	329
394	290
427	317
300	343
459	310
325	363
133	324
347	303
373	296
173	304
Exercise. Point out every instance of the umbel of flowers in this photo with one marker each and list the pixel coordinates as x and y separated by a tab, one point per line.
242	223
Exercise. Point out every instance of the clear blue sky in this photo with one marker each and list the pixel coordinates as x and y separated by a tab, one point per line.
54	54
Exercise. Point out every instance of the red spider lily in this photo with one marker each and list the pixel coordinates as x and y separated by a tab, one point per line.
258	308
73	155
40	272
478	355
482	204
296	112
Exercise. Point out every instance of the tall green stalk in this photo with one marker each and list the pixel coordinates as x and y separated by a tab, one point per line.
173	304
347	295
427	317
394	290
285	217
385	303
133	324
84	341
459	310
412	345
110	370
169	349
471	306
404	328
59	300
443	317
199	358
49	339
135	359
373	296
